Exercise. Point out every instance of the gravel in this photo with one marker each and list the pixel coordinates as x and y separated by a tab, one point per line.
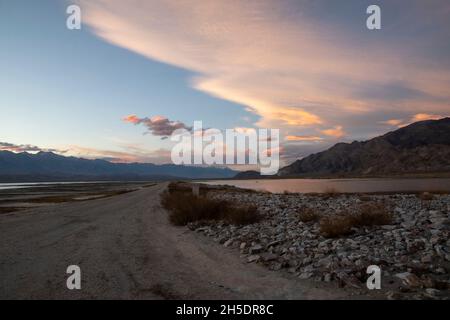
413	252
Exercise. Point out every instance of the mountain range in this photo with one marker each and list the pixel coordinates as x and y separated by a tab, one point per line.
48	166
419	148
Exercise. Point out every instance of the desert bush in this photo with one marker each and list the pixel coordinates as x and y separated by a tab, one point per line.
368	214
372	214
335	226
308	215
184	207
241	215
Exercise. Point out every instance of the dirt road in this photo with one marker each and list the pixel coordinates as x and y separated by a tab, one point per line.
126	249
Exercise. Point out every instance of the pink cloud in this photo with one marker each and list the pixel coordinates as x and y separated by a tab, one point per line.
303	138
415	118
425	116
336	132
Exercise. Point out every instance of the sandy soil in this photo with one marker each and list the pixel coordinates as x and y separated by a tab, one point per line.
126	249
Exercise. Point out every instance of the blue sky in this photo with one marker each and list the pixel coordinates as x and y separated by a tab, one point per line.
310	68
61	87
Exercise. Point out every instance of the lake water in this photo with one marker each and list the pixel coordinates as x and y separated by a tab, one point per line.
6	186
340	185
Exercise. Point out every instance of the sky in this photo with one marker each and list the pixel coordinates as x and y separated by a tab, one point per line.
138	69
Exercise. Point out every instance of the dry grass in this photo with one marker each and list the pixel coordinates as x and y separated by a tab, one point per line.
184	207
308	215
335	226
372	214
368	214
242	215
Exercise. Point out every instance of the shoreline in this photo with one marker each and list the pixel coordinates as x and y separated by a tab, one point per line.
338	186
432	175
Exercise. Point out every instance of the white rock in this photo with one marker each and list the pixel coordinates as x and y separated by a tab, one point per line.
253	258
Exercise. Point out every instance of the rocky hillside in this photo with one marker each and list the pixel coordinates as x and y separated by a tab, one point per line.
422	147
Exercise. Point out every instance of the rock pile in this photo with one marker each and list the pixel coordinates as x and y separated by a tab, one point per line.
413	252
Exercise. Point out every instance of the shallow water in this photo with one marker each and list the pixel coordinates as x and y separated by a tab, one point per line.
340	185
6	186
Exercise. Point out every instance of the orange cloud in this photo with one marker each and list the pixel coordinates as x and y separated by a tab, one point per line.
296	117
336	132
393	122
303	138
291	70
131	119
417	117
425	116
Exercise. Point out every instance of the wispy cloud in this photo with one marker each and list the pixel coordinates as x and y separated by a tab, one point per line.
336	132
303	138
417	117
282	62
425	116
130	154
393	122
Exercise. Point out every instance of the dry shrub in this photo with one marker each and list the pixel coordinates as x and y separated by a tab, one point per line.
241	215
184	207
308	215
179	187
369	214
425	196
372	214
335	226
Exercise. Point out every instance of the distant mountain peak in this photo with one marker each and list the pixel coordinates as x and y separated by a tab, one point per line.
47	153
